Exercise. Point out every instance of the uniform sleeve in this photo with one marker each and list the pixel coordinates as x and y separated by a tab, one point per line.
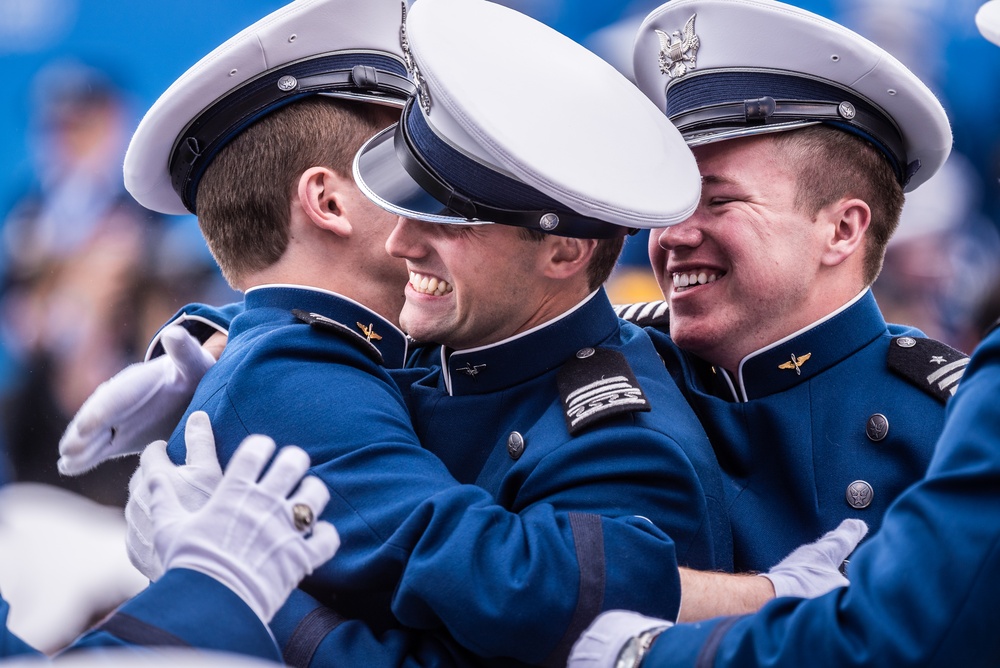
923	589
184	609
314	635
200	320
590	531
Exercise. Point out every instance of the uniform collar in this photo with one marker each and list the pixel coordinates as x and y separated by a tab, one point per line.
532	353
807	352
386	337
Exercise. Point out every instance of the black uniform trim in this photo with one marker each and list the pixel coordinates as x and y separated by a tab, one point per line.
309	635
138	632
588	535
325	324
598	384
932	366
706	657
645	314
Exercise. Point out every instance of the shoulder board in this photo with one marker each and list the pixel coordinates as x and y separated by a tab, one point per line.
322	323
932	366
597	384
645	314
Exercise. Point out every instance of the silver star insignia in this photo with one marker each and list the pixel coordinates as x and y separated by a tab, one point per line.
937	359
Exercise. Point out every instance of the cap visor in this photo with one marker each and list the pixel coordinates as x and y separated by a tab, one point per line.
696	138
381	177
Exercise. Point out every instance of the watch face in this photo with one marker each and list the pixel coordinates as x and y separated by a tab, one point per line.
630	654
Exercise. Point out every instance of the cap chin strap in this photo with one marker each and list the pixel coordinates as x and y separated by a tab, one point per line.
216	126
724	101
558	222
766	111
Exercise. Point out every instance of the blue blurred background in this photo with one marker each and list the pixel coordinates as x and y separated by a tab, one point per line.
87	275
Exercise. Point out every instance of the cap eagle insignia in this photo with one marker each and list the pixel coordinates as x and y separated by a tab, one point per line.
423	95
796	363
678	54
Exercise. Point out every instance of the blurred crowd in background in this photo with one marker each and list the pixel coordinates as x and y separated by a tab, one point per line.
88	275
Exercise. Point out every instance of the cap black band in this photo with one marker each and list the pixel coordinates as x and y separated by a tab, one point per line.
540	212
714	100
370	75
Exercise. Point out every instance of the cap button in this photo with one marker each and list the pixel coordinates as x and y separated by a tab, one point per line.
548	222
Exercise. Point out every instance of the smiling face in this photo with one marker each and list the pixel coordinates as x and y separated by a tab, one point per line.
743	271
471	285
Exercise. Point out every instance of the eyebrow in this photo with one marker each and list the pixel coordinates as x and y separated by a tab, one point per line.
717	180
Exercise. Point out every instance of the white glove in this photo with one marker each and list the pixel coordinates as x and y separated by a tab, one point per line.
140	404
193	483
250	536
814	569
602	642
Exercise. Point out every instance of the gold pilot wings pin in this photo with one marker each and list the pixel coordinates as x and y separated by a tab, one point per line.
934	367
598	384
796	363
679	52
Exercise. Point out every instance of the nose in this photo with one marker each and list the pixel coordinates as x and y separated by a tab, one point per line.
405	239
683	234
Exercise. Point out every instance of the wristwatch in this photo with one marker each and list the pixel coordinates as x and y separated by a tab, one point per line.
635	648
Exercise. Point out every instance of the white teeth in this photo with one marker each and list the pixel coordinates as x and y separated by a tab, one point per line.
695	278
429	285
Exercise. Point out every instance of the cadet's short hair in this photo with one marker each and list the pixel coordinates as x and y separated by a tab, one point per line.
603	261
244	198
832	164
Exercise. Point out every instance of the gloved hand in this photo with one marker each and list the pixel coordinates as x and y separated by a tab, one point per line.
140	404
814	569
193	483
251	536
600	644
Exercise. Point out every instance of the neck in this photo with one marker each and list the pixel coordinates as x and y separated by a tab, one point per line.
381	294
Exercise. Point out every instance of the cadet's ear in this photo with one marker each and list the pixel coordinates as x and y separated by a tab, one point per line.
321	196
848	221
568	256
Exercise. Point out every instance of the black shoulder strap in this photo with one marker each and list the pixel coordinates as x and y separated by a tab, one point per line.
645	314
932	366
322	323
597	384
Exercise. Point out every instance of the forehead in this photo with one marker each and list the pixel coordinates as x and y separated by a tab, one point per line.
743	158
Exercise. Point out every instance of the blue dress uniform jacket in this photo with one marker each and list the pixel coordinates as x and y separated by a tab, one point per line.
924	591
515	546
499	417
833	422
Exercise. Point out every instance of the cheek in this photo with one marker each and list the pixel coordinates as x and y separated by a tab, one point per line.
657	255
